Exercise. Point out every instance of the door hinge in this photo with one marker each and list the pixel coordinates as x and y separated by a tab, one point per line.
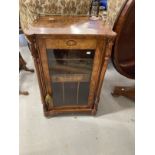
49	101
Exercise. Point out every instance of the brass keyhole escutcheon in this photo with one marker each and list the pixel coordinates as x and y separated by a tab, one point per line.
49	100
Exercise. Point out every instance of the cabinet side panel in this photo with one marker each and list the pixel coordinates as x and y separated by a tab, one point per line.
95	72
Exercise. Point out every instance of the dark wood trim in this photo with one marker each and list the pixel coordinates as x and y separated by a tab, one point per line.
125	91
119	26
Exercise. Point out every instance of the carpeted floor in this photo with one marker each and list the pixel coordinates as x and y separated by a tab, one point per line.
110	132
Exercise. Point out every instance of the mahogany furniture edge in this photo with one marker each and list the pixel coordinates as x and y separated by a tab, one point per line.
118	28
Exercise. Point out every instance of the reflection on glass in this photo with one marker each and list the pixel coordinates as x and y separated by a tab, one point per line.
70	72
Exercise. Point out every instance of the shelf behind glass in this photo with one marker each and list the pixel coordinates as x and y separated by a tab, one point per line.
70	73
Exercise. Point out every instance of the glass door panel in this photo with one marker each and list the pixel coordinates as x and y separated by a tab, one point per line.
70	72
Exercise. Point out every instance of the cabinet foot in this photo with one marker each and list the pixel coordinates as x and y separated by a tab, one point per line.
94	111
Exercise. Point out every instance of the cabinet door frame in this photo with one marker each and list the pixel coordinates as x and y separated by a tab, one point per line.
94	75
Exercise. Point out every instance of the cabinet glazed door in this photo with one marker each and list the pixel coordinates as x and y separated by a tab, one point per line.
70	74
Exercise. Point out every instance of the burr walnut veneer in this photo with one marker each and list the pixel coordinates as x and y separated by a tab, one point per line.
71	56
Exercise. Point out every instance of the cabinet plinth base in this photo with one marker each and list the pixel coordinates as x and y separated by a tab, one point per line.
54	112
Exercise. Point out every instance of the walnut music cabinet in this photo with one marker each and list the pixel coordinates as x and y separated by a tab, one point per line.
71	56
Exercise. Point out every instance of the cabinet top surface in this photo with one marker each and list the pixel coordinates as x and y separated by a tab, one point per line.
68	25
